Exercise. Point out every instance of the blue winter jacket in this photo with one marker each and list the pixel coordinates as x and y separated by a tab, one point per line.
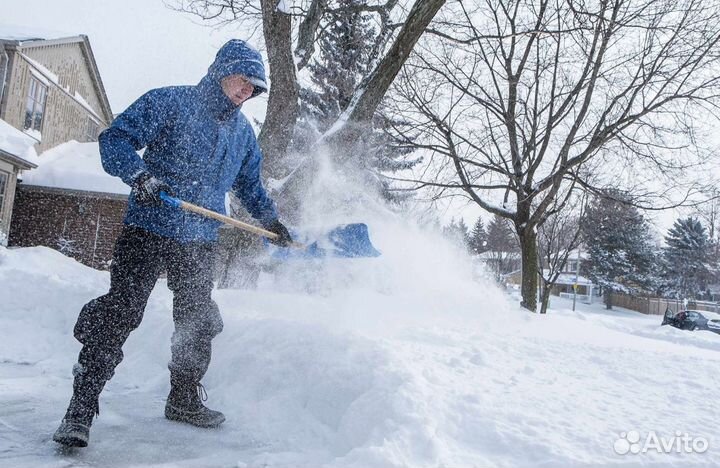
197	142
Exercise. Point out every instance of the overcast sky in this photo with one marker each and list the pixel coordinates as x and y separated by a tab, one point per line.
138	44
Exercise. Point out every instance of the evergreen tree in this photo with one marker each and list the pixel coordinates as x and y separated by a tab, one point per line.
342	62
621	250
686	259
500	236
477	242
457	231
501	246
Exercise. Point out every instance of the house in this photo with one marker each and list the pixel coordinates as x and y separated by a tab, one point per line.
500	263
16	154
571	281
51	89
53	97
71	204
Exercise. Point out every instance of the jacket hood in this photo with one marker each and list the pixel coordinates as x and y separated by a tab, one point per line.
236	57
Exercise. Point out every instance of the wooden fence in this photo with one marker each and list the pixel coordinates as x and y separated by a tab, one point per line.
658	305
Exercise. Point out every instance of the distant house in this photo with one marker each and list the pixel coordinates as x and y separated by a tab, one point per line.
500	263
71	204
571	280
16	155
51	89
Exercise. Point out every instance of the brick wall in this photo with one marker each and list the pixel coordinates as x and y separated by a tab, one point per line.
82	225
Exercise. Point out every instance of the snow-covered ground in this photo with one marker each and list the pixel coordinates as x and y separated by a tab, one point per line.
403	360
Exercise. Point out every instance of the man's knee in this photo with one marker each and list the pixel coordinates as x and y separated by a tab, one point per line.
109	319
199	319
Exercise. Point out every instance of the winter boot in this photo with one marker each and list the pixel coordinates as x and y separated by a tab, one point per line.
74	431
185	404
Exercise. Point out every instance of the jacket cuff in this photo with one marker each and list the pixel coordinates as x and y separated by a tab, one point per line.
133	179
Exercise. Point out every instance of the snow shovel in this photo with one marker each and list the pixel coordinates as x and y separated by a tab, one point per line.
347	241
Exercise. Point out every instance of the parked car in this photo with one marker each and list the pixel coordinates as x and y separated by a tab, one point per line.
692	320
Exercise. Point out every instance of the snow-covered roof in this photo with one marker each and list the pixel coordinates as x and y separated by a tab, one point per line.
570	278
581	253
74	166
494	254
16	143
14	32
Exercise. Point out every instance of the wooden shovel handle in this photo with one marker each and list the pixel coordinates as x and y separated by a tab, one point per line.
176	202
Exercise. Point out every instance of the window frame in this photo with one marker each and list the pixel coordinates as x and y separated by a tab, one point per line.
35	104
4	187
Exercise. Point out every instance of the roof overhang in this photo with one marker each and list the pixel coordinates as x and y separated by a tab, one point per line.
74	192
16	160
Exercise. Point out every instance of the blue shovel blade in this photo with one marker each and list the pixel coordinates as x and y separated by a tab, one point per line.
347	241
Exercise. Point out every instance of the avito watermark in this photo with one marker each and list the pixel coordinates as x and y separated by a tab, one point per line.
632	442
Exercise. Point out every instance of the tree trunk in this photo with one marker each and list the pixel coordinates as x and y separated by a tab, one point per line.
528	248
544	297
608	298
283	99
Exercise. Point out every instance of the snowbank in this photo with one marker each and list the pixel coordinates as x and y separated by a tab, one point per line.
371	369
76	166
15	142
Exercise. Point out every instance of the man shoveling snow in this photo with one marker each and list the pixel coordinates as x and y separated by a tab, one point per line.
198	146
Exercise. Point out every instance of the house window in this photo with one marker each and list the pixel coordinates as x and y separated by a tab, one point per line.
35	109
4	182
91	130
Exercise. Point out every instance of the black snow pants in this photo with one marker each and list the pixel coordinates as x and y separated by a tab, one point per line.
138	260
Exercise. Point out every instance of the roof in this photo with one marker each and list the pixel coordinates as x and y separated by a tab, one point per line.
495	254
16	147
27	41
580	253
570	278
21	163
74	166
16	33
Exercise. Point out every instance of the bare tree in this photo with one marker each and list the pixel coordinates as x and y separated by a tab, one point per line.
518	100
558	236
290	37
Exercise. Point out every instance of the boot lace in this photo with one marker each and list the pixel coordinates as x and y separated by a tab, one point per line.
201	392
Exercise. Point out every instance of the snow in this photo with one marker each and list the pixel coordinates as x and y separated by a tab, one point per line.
81	100
404	360
34	134
75	166
40	77
15	142
42	69
374	368
569	278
